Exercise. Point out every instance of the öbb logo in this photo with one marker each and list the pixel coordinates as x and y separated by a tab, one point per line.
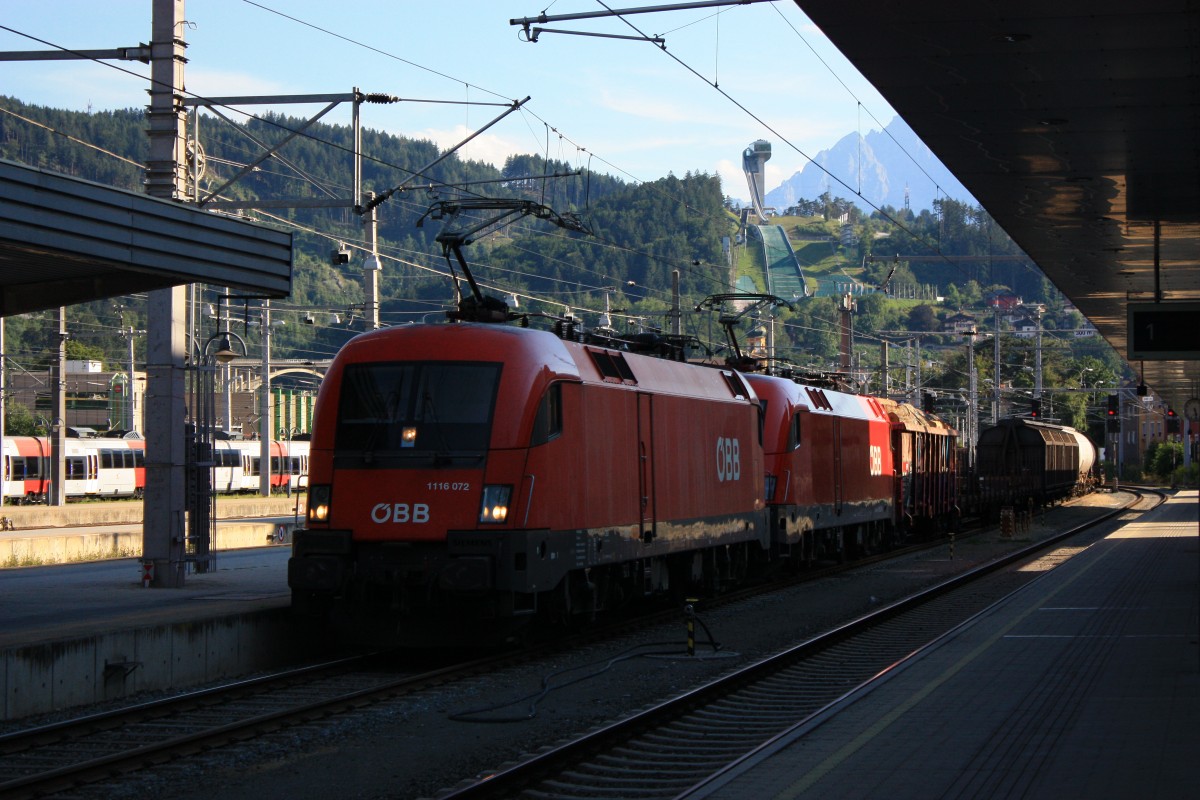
400	512
729	459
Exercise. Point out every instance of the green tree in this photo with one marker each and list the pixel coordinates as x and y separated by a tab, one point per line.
19	421
922	318
79	351
1162	458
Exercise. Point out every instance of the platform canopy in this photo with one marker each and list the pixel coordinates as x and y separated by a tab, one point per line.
65	241
1075	124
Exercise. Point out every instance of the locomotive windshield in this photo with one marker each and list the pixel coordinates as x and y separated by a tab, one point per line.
422	409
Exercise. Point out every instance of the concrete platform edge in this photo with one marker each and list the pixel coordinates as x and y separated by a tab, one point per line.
53	676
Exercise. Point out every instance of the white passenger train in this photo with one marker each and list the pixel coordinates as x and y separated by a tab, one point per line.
101	468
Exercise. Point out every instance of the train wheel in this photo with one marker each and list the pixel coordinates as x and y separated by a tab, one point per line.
556	606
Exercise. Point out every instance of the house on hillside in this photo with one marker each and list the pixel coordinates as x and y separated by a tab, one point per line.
1004	301
1009	305
1025	328
959	323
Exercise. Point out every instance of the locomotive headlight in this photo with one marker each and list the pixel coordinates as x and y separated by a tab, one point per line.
408	437
494	508
318	502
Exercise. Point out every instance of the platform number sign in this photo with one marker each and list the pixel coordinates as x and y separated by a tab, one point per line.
1163	332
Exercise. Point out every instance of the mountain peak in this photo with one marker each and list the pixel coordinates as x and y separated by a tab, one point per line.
879	168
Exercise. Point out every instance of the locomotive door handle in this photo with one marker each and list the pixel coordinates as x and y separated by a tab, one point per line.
529	479
644	495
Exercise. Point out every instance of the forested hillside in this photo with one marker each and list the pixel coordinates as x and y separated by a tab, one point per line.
640	234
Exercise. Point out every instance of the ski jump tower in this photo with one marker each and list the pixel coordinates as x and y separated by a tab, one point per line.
754	159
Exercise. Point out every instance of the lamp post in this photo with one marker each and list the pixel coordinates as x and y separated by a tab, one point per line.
264	453
201	500
973	401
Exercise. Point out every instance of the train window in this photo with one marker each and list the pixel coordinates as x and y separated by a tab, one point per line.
17	468
106	459
612	365
419	407
549	422
139	458
76	469
27	467
794	432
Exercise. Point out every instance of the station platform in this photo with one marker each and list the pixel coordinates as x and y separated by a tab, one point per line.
87	633
1084	684
36	535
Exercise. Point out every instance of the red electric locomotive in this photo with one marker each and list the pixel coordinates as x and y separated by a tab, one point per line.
485	472
830	476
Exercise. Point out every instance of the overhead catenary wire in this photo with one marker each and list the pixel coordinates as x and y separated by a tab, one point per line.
562	137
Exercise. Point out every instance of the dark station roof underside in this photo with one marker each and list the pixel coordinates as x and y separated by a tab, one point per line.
1075	125
65	241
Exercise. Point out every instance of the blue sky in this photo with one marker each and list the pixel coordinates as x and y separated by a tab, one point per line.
633	109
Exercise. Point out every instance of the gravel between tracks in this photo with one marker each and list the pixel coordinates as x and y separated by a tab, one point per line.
411	748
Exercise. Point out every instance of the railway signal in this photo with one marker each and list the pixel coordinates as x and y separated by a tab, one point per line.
1035	409
1113	416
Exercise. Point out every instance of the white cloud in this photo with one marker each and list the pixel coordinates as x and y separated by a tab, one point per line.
733	180
220	83
487	147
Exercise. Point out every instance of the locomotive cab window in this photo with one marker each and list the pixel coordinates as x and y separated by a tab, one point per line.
416	408
794	431
549	421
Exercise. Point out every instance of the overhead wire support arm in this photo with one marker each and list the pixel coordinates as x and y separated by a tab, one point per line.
531	33
382	196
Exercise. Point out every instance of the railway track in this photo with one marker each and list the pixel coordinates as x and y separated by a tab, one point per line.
665	751
61	756
52	758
